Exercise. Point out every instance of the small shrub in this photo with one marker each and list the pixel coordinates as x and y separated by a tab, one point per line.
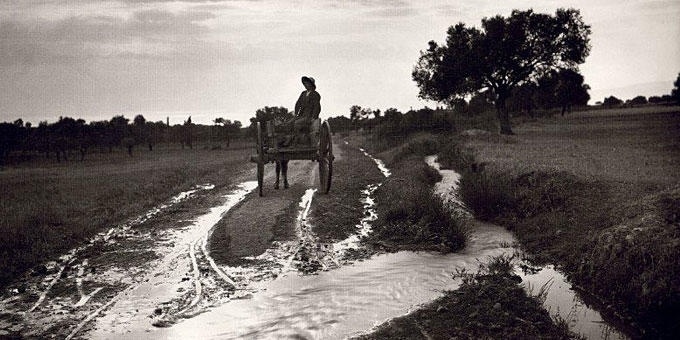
490	197
419	147
452	156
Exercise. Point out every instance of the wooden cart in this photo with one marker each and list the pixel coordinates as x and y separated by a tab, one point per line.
320	149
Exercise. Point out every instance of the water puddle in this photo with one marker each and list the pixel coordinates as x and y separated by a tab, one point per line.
561	300
342	302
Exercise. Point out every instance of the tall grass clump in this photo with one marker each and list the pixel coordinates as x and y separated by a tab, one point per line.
490	198
411	216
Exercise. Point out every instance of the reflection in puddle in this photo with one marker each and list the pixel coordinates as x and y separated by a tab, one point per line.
342	302
562	301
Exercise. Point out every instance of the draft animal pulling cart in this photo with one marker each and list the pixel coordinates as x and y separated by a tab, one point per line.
317	147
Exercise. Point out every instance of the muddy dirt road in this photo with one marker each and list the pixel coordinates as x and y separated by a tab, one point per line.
225	263
199	249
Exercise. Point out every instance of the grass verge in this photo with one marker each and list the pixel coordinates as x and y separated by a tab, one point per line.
490	304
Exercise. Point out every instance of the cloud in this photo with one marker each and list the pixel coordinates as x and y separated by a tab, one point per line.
144	33
394	12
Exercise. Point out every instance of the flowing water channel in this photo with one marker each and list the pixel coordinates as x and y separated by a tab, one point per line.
559	298
352	299
348	299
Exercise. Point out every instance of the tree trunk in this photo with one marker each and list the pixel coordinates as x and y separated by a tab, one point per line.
503	117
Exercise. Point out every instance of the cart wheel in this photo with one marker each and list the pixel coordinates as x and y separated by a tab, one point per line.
325	158
260	158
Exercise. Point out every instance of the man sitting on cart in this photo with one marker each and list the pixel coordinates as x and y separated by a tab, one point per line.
307	108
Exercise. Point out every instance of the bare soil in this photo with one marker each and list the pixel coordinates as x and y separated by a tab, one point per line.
249	229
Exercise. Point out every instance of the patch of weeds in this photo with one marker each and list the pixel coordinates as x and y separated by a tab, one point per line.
452	156
418	147
488	196
410	216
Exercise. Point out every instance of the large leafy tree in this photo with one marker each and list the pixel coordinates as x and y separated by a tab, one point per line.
505	53
571	90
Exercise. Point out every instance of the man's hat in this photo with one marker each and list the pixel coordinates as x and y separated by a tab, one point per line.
309	80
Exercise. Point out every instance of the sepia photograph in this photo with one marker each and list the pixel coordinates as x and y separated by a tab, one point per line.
339	169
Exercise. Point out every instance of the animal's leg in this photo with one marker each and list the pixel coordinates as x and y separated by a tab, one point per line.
284	167
278	170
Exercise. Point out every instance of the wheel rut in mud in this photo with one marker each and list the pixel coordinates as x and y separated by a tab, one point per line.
169	263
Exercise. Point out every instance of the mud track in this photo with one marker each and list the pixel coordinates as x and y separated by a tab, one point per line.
197	250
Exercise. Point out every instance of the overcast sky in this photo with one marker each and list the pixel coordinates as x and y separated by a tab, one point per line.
93	59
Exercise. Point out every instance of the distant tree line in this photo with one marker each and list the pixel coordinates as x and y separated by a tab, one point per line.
666	99
560	89
68	136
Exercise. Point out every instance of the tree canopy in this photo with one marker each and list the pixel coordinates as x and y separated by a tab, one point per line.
505	53
612	101
675	93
